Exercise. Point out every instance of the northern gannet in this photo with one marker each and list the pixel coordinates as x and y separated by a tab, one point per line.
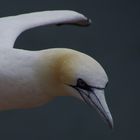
32	78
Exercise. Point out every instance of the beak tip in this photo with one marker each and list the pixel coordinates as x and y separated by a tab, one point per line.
111	126
111	123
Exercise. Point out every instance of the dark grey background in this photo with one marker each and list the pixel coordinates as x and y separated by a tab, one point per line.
113	40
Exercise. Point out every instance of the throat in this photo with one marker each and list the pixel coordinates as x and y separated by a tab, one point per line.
22	98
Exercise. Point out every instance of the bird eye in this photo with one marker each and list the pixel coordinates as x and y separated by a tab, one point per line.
83	85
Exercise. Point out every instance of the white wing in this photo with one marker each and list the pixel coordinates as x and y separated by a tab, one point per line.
11	27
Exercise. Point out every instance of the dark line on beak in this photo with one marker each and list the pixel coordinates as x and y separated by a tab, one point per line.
81	93
100	88
110	125
87	101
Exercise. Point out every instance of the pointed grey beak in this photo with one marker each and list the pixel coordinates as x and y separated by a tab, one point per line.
96	99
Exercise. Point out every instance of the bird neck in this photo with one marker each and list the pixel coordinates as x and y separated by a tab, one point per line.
50	70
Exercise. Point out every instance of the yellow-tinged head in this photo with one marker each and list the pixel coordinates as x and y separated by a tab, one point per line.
69	72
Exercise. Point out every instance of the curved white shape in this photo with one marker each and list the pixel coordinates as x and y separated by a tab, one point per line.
11	27
32	78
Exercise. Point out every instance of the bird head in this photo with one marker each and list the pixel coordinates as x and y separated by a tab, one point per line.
77	74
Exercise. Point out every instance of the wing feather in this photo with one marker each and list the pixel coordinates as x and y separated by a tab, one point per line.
11	27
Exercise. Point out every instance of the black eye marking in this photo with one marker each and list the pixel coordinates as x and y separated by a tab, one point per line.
83	85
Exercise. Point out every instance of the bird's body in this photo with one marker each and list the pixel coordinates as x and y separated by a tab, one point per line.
18	81
32	78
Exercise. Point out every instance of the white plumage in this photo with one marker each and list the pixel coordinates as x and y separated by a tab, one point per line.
32	78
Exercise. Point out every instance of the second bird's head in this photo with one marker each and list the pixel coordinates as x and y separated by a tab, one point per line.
67	72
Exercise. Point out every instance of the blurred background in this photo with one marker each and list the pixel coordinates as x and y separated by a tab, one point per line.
113	40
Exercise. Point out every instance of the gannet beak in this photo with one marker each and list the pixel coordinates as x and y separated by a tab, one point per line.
96	99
